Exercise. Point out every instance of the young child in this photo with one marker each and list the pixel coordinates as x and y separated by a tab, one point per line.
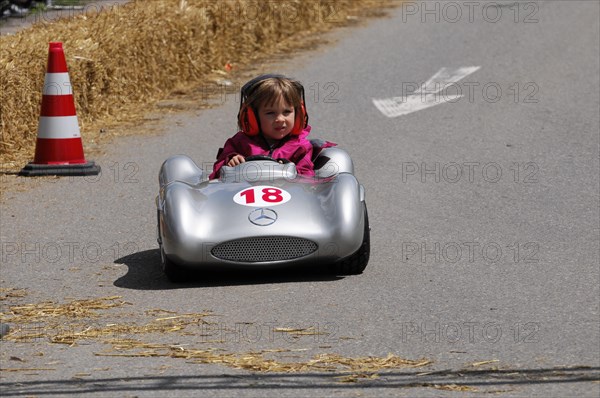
272	121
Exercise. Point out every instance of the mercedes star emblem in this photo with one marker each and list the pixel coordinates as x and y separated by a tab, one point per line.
262	217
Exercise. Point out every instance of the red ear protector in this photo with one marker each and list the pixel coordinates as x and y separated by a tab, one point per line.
301	118
247	119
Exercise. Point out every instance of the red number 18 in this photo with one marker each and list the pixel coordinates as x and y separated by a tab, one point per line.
270	195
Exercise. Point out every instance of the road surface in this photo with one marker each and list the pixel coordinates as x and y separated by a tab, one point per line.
482	188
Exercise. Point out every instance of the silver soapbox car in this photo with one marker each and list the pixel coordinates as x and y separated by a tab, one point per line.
262	214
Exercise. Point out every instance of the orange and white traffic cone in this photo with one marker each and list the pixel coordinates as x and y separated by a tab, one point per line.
58	149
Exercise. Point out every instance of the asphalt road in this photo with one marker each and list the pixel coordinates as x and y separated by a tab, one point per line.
484	215
12	25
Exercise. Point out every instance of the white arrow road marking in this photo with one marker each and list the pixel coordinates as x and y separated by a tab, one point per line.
426	96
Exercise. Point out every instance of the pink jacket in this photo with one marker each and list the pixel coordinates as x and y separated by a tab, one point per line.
296	148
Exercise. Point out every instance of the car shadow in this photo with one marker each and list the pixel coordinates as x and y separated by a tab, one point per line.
145	273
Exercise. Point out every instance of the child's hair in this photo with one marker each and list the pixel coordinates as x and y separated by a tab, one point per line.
265	90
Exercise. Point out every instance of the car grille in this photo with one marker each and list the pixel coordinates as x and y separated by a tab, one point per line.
267	248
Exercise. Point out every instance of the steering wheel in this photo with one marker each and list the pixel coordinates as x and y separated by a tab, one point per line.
252	158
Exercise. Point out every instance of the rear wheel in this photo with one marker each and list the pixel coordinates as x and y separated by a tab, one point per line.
357	262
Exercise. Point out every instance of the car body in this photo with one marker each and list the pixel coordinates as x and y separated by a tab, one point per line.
261	214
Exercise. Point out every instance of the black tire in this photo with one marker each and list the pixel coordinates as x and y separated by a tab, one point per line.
357	262
174	272
158	237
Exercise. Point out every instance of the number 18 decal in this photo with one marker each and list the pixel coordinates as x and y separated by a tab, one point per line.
262	195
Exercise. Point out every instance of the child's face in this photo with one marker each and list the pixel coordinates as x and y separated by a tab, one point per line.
276	119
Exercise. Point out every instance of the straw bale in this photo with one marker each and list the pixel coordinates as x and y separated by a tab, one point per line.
122	61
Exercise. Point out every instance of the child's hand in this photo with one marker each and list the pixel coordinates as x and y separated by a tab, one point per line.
236	160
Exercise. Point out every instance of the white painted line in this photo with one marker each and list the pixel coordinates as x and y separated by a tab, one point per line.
444	78
392	108
427	95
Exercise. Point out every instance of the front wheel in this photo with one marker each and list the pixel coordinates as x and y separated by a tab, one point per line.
174	272
357	262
